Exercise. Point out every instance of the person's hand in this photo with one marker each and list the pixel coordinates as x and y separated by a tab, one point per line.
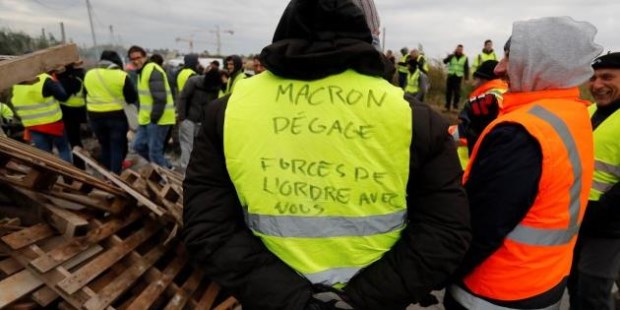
477	114
327	298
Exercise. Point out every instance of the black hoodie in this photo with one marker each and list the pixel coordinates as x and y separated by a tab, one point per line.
318	38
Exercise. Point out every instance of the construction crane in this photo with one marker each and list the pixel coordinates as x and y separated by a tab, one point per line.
190	41
218	41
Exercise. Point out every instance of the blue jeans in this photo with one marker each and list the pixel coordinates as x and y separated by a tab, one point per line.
149	143
46	142
112	135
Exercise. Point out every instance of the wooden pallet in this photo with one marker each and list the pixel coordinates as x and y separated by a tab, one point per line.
120	264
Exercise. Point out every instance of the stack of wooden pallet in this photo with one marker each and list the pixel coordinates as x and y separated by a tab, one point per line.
99	244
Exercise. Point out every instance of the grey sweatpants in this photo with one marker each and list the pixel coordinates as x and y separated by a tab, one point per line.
188	130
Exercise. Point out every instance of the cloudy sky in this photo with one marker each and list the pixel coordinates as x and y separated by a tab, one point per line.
438	25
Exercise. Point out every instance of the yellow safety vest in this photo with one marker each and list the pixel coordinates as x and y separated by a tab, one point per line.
182	78
403	68
606	154
105	89
32	108
321	168
76	100
413	85
482	57
457	66
5	111
425	66
231	84
146	100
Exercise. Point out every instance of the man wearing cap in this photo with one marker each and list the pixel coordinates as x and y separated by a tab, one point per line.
597	254
530	172
316	185
488	94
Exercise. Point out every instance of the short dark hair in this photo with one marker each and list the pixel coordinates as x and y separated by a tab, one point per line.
158	59
215	63
488	41
460	45
135	48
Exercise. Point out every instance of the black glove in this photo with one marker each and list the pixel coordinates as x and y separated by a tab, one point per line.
327	298
428	300
477	114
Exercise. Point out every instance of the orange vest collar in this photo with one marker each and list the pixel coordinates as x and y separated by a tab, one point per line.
513	101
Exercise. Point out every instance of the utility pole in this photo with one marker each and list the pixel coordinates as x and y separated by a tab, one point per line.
218	38
111	35
90	18
383	40
63	36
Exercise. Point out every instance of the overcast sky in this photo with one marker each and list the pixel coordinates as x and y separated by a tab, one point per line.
436	24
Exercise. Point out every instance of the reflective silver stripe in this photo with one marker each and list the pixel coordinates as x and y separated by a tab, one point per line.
105	102
600	186
37	106
470	301
332	276
150	107
607	168
548	237
144	92
38	115
330	226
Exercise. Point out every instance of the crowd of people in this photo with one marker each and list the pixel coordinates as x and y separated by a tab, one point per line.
318	184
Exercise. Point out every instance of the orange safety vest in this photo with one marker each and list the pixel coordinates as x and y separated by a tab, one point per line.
536	256
497	87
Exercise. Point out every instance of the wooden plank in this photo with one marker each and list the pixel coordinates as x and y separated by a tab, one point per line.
208	298
227	304
179	299
10	266
150	294
17	286
118	286
25	237
71	248
118	182
24	282
27	67
86	201
66	222
44	296
38	159
92	269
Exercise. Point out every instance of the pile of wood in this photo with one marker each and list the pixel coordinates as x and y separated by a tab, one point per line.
70	240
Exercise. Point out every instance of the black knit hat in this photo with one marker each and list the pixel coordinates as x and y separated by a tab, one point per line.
608	61
485	71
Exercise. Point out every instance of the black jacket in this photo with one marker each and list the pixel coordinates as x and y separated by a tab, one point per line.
437	235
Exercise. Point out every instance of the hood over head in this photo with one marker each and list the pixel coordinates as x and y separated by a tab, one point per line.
551	53
237	61
110	58
190	61
318	38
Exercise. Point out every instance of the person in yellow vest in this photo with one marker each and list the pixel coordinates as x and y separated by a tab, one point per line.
156	114
36	103
458	70
596	260
402	67
234	70
530	172
484	103
74	109
316	185
108	88
421	60
190	68
487	54
416	80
